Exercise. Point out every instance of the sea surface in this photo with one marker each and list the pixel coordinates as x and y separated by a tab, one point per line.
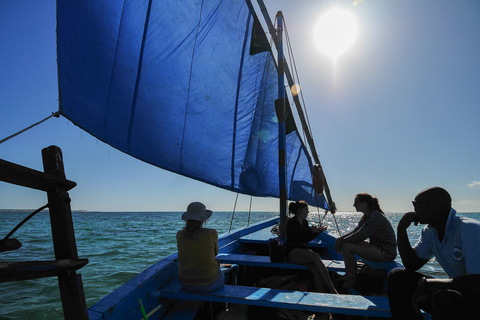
119	245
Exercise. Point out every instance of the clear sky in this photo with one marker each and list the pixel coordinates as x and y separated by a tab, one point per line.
398	112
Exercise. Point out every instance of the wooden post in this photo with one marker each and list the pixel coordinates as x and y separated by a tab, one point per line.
280	110
70	283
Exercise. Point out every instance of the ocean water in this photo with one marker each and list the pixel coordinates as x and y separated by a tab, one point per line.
120	245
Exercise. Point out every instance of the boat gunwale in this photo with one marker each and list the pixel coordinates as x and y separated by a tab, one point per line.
146	285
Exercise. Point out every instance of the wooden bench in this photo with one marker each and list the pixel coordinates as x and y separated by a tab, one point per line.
264	261
277	298
262	236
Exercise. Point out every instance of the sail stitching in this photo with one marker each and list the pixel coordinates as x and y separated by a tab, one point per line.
137	81
239	83
258	88
297	160
256	98
113	69
265	76
189	83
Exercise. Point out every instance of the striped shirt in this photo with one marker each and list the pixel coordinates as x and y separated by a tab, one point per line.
378	229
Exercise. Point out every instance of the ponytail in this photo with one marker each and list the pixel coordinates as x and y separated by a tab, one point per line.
372	202
191	228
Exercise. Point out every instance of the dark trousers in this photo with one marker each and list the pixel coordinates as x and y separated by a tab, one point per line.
443	304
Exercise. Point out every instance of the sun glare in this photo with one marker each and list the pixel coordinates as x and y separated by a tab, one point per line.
335	32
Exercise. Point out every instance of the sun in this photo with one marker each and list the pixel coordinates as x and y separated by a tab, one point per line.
335	32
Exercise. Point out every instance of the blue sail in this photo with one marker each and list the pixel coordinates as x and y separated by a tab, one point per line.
188	86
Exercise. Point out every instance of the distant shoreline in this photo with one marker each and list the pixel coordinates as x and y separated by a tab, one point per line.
97	211
31	210
87	211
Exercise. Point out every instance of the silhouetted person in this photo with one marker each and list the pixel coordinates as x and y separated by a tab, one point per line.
455	243
198	269
374	226
299	234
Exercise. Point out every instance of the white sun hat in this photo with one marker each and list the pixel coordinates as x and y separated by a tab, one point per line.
196	211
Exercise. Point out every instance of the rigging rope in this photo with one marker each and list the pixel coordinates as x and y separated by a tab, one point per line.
336	223
235	208
25	220
54	114
233	213
296	80
249	211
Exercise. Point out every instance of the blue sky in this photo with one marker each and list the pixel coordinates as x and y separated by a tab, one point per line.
398	112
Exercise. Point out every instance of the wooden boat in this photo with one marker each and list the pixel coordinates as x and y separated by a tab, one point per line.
177	84
156	294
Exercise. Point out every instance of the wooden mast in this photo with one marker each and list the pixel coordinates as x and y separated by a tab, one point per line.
280	110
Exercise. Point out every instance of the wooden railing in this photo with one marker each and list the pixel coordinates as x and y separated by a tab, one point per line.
66	262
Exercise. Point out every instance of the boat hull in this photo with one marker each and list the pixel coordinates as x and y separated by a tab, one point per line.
151	290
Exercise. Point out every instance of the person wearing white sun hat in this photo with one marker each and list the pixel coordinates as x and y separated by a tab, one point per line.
198	269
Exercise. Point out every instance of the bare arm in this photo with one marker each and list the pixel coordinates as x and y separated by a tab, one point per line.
409	258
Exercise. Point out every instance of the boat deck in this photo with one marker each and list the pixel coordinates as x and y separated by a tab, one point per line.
279	298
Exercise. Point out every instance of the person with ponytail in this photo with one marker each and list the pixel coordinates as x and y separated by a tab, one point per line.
373	225
299	233
198	269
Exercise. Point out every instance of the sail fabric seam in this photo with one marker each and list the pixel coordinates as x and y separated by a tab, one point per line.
239	83
310	164
189	84
266	73
293	169
256	98
287	161
113	70
137	81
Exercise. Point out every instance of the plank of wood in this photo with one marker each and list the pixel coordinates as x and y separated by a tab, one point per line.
25	270
30	178
278	298
264	261
262	236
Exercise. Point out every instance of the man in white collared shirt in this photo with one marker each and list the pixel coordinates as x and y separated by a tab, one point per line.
455	243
